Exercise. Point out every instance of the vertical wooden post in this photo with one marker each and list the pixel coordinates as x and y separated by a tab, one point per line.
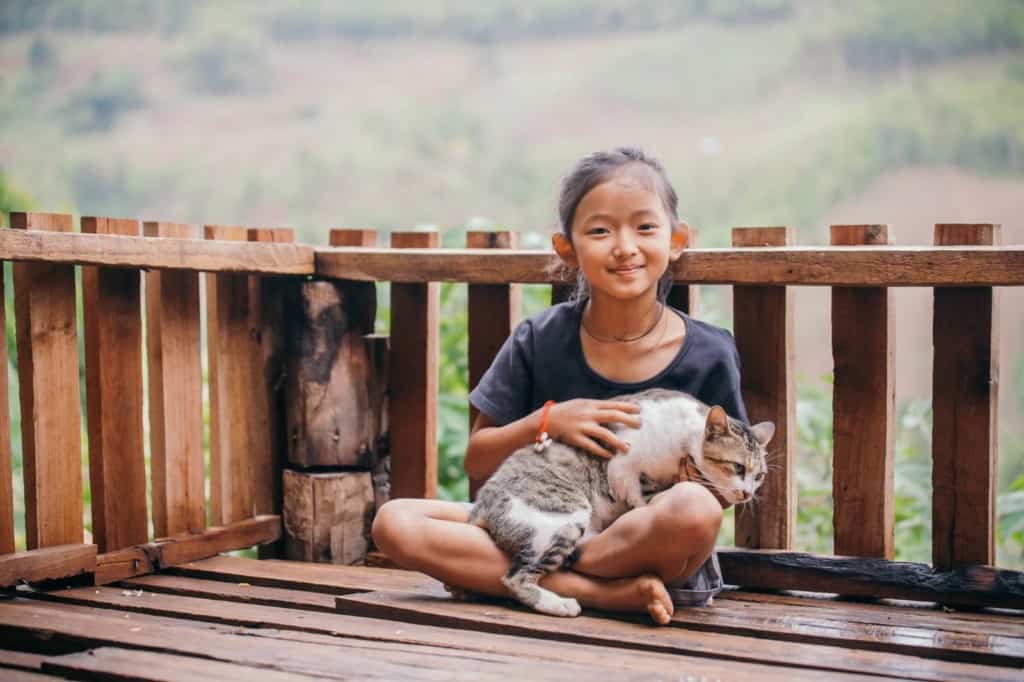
51	419
415	311
863	401
763	325
111	305
175	393
6	462
494	310
267	429
964	413
686	297
231	385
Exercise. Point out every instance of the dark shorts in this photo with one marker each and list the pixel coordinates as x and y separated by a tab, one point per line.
698	589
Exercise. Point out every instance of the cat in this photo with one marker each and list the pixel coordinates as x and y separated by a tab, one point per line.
539	506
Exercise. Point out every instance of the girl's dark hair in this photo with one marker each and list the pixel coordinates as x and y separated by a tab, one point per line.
589	172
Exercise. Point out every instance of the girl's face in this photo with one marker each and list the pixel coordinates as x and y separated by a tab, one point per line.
623	240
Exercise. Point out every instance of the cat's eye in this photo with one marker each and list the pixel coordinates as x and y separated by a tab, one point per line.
759	477
741	470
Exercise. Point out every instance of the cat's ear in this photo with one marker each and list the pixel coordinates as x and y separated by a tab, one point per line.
717	423
763	432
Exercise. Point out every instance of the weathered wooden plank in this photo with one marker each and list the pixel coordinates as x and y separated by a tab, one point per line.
300	576
965	388
589	629
327	515
239	535
330	645
117	663
112	310
267	322
806	265
331	416
126	563
145	252
871	577
863	408
175	393
44	301
20	660
493	311
6	459
972	642
49	563
230	384
686	297
352	237
763	326
415	326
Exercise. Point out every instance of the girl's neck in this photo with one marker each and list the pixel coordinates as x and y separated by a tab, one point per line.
608	318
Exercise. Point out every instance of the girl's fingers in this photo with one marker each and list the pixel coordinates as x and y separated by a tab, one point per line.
621	406
608	439
591	446
619	417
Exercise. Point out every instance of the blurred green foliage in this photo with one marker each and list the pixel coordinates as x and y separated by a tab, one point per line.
99	104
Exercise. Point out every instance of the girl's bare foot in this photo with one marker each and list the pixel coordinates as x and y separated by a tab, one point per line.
643	593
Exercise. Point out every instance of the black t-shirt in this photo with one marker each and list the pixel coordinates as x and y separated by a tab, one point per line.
543	360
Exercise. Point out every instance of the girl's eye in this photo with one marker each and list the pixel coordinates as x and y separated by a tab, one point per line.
597	230
648	227
741	470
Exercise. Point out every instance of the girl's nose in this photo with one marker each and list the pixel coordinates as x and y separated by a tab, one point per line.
624	245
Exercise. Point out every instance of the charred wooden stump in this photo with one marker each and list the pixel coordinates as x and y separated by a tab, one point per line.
327	515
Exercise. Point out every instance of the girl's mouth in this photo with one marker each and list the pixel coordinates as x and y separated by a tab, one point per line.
627	271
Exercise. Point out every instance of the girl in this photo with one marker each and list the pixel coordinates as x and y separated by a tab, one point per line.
620	233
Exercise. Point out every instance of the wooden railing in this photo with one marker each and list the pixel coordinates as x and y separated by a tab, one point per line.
860	266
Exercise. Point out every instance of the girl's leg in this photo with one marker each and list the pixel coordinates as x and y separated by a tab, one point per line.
433	537
671	537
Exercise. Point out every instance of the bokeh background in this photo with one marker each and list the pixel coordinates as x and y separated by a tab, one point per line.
457	114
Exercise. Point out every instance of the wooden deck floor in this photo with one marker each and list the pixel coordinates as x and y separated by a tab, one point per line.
230	618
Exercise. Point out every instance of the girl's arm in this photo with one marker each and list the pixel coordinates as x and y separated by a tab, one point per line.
580	423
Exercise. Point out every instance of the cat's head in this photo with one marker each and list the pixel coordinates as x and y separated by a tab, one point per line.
734	456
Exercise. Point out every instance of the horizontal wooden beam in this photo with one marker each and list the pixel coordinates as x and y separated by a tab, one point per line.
49	563
899	266
180	549
868	577
155	252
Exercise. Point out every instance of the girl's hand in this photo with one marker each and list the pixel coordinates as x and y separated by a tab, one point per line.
580	423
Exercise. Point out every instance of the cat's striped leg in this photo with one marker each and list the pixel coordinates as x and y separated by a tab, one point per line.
527	568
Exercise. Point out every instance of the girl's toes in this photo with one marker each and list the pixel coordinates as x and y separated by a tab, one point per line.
659	603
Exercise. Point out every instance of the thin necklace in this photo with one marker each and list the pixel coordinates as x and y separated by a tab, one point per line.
623	339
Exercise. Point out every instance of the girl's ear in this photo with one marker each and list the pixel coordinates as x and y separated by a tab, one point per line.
564	249
680	240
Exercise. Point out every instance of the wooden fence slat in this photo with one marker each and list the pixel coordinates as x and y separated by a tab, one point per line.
111	306
686	297
903	266
964	413
863	399
267	435
175	393
231	386
494	310
6	460
415	327
51	419
763	325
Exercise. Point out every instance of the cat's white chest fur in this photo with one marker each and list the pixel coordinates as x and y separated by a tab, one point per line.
672	429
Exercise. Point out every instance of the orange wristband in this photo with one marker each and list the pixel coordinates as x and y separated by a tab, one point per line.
543	439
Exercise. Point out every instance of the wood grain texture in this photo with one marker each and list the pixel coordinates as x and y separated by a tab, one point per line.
686	297
352	237
808	265
183	548
494	311
51	426
231	385
863	407
763	326
970	586
6	459
112	310
965	388
117	663
331	418
125	563
49	563
148	253
589	629
327	516
415	327
267	322
175	393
